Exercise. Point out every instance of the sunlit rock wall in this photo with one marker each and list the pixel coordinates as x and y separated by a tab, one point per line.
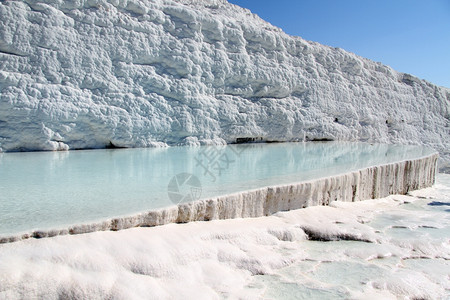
117	73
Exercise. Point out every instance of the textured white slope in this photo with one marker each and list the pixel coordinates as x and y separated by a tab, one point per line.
392	250
93	73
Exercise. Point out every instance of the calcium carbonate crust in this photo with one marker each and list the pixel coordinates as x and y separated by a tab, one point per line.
368	183
117	73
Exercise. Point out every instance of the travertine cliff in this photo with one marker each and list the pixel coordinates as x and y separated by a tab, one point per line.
101	73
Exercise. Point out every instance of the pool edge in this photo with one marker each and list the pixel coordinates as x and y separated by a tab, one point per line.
367	183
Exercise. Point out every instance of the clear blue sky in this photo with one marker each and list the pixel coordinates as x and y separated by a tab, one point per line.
411	36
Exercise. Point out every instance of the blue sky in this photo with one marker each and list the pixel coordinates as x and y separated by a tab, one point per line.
411	36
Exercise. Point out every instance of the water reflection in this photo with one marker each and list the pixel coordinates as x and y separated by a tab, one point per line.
48	189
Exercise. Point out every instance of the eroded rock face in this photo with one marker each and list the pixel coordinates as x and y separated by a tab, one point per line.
92	74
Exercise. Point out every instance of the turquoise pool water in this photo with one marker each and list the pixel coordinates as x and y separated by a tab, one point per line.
43	190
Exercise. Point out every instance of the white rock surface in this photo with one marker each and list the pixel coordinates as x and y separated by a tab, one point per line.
391	248
141	73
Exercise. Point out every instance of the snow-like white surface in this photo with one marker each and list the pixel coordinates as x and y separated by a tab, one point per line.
95	73
394	248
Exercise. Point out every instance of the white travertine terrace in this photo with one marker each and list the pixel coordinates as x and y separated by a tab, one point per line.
368	183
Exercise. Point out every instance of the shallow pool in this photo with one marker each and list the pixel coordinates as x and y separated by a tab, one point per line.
43	190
